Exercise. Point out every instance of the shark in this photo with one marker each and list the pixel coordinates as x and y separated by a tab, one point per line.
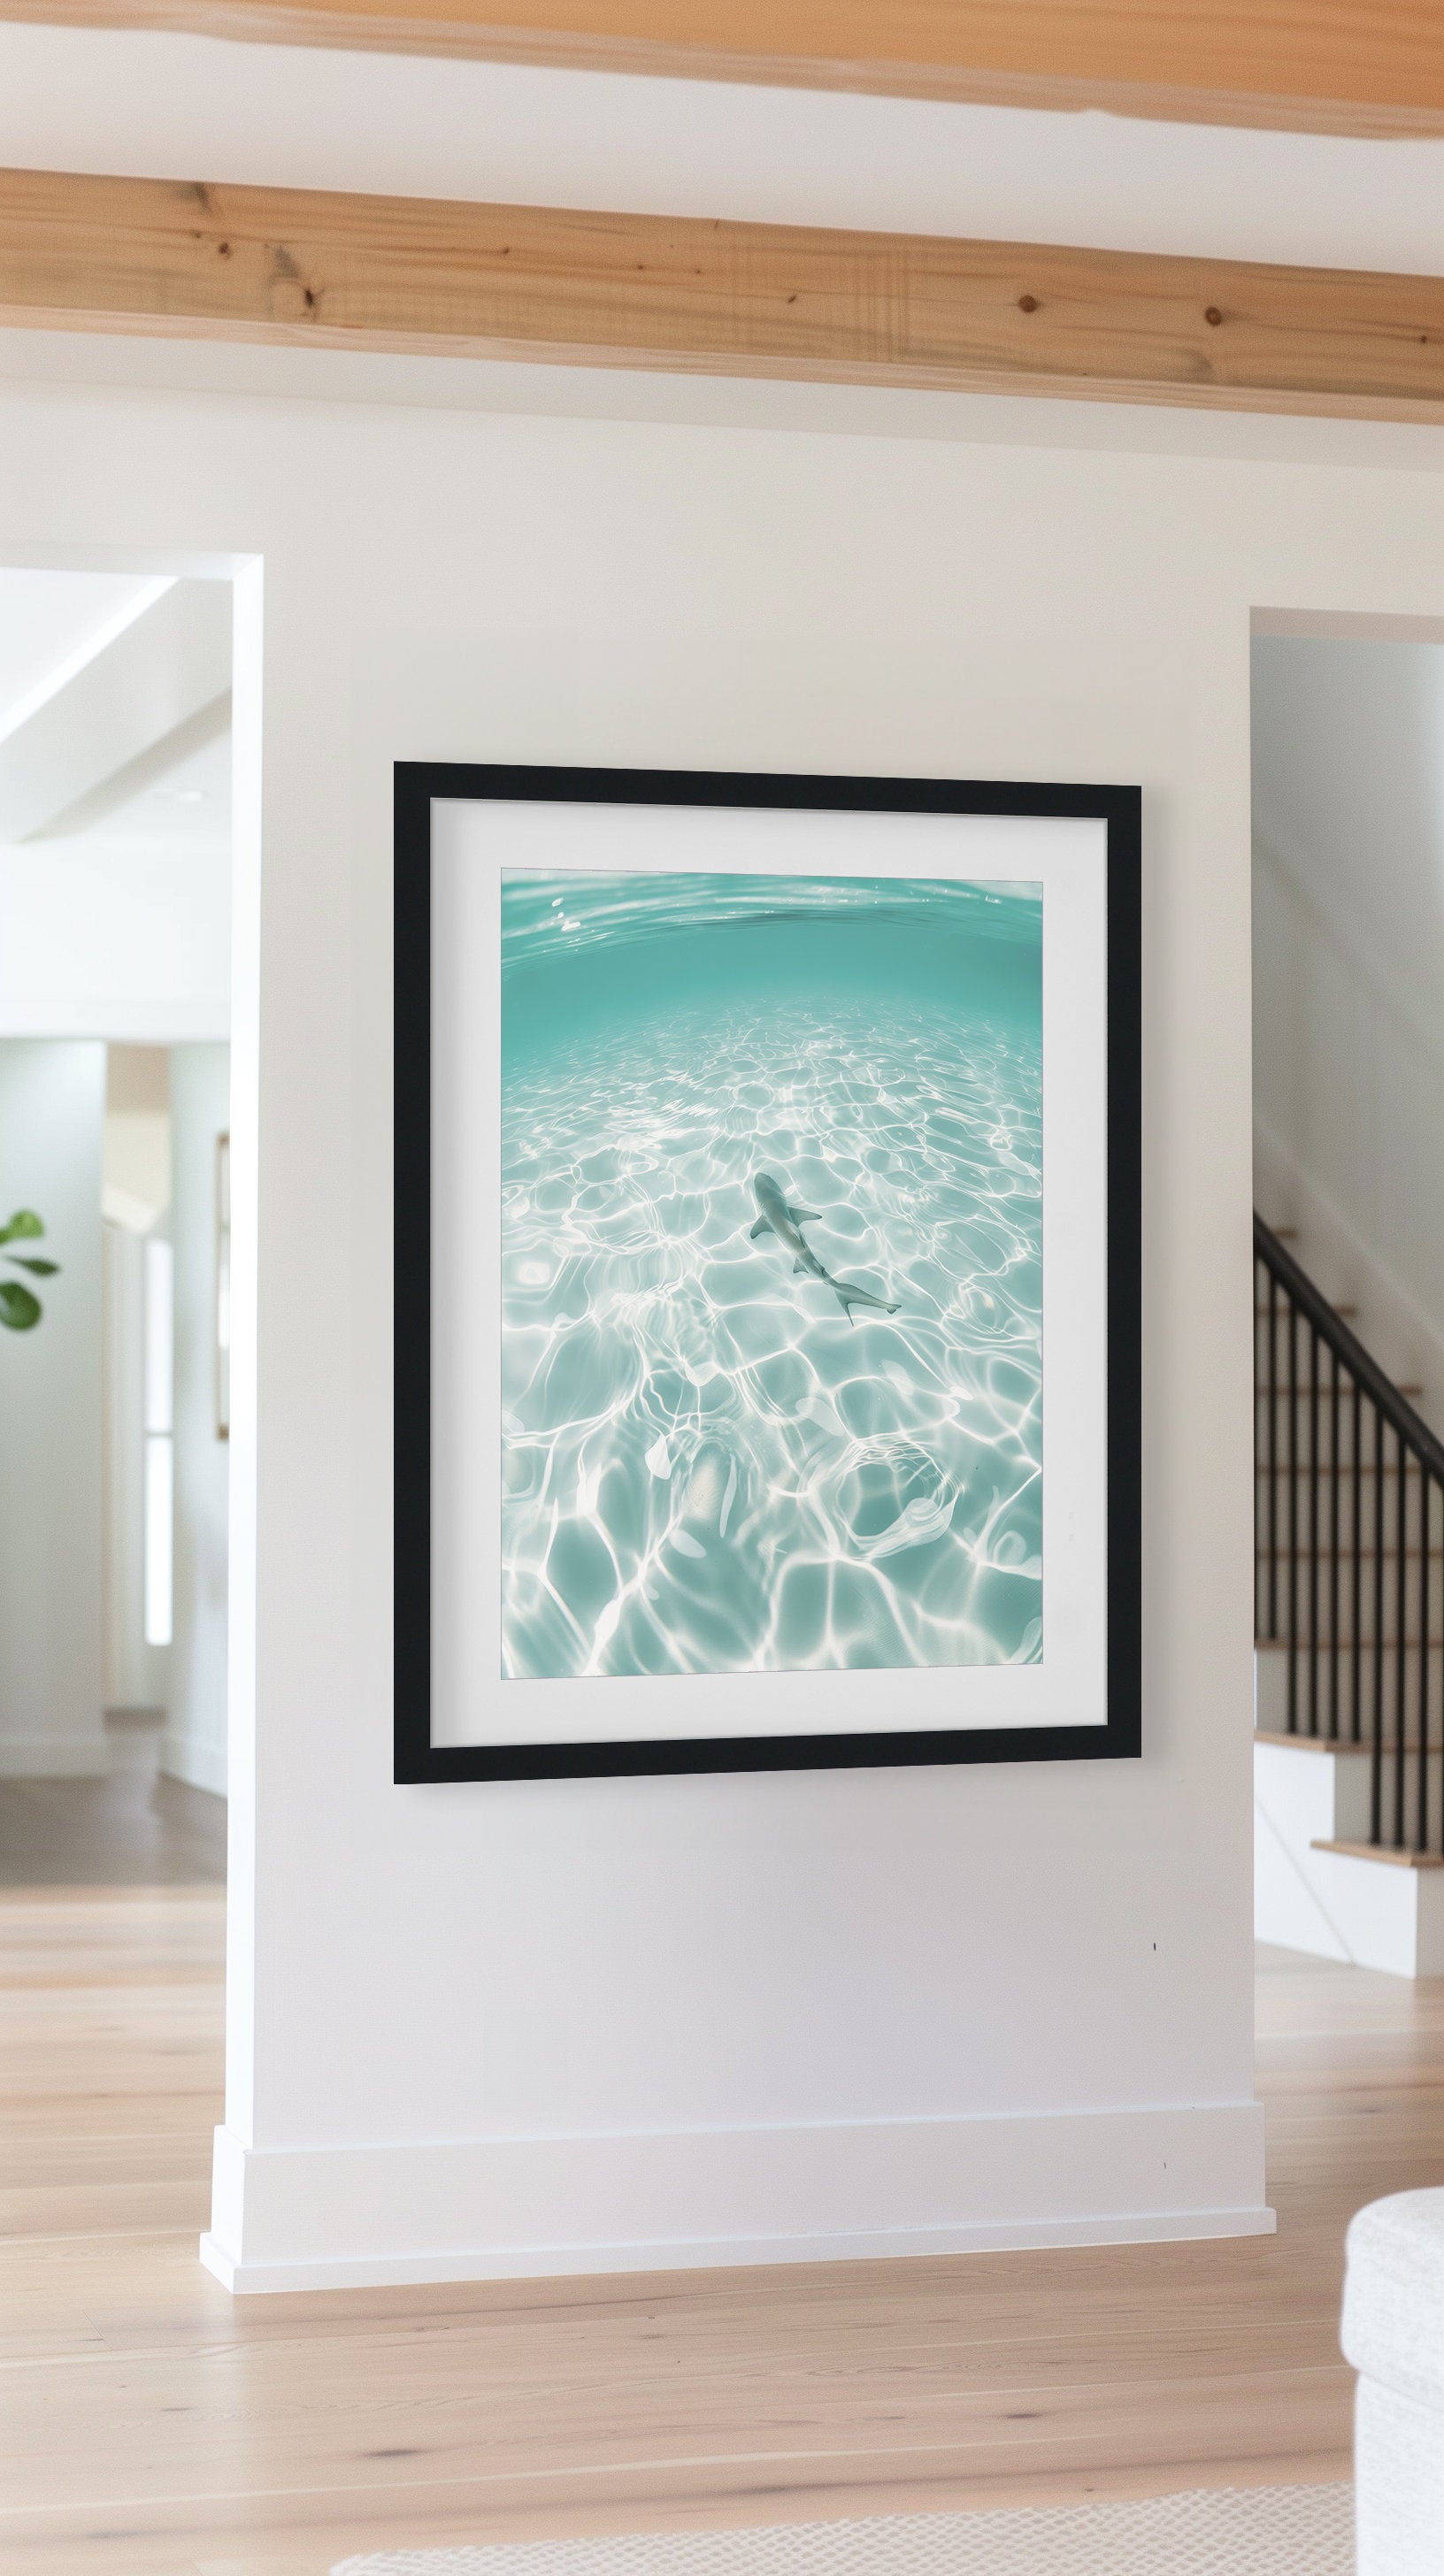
786	1223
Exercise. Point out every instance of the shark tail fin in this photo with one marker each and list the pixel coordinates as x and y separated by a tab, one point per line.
848	1295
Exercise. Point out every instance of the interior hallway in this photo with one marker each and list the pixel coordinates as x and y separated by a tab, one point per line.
152	2426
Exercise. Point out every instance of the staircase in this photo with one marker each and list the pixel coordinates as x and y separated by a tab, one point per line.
1349	1630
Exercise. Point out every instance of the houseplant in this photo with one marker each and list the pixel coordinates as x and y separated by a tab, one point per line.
20	1308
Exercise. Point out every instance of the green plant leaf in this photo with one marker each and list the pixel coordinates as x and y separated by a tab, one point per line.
23	1224
18	1308
41	1269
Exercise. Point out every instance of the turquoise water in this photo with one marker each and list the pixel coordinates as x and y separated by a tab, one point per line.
706	1467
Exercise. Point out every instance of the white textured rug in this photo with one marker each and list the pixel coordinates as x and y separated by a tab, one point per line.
1243	2531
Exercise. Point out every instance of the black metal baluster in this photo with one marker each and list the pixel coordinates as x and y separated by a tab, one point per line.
1401	1517
1434	1479
1258	1508
1421	1821
1293	1518
1313	1529
1403	1809
1376	1784
1273	1512
1356	1539
1334	1547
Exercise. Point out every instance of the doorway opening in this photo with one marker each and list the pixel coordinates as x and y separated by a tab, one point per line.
115	878
1348	902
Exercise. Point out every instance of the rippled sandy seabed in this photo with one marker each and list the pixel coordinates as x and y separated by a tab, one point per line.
705	1467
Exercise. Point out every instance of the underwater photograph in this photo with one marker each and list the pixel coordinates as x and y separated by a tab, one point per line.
771	1252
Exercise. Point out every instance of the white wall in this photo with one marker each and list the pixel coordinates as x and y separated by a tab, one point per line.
194	1746
484	2029
1348	751
52	1106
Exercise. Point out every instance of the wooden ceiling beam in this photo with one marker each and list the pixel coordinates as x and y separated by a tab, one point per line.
1335	66
351	272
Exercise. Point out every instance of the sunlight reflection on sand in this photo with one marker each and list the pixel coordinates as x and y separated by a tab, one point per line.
705	1467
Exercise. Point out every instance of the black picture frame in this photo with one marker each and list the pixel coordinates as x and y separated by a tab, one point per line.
417	1760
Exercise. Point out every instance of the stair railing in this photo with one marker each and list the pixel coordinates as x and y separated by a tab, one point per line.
1349	1481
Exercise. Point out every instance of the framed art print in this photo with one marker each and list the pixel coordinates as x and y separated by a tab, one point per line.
767	1313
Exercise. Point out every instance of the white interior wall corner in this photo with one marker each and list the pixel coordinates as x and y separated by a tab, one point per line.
242	1606
449	2005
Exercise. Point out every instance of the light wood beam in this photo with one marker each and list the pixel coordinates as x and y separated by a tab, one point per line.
332	271
1338	66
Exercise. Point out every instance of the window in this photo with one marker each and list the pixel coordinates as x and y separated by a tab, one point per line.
223	1287
159	1440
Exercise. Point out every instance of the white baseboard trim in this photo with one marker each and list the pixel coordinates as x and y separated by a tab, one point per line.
49	1757
531	2208
562	2262
200	1765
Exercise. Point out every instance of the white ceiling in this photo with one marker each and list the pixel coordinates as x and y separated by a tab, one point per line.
160	105
114	806
176	797
50	622
114	708
189	802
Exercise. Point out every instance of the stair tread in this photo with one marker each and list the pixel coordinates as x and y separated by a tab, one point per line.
1280	1645
1382	1852
1304	1395
1330	1466
1366	1555
1302	1743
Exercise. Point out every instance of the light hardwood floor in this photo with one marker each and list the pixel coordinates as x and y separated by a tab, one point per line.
132	1829
152	2426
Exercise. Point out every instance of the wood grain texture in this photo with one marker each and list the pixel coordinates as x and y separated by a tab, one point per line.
153	2427
342	271
1338	66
